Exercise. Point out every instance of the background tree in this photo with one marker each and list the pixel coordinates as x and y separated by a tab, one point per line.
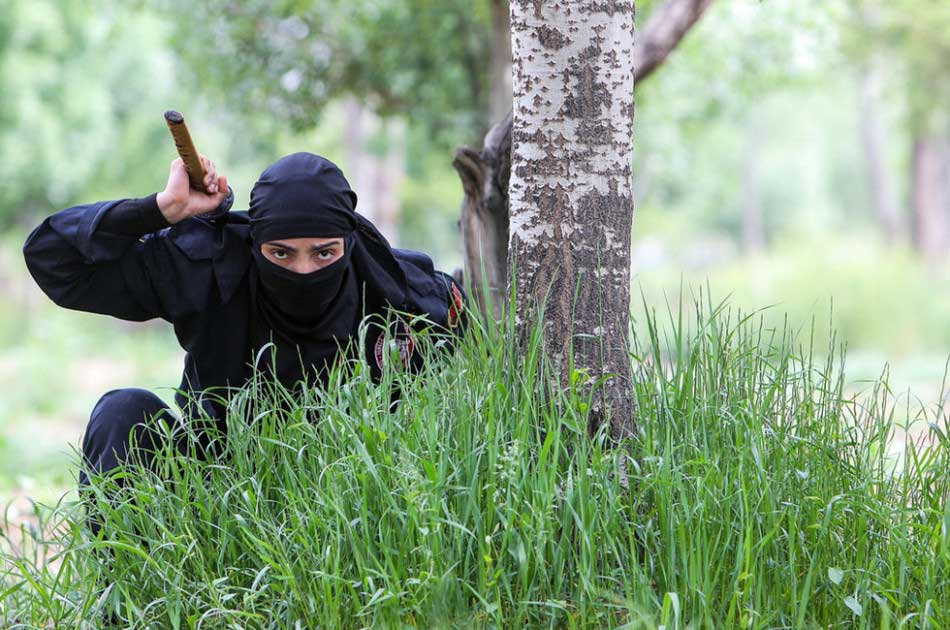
296	56
907	42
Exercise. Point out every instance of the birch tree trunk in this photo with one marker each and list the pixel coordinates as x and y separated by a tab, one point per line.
571	188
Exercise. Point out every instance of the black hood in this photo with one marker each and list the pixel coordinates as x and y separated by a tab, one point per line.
301	195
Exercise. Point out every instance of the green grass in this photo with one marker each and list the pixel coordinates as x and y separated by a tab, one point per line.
759	496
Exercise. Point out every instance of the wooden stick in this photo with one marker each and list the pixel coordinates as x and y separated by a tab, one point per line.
186	149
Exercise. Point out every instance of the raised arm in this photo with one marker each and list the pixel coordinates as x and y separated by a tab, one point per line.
115	257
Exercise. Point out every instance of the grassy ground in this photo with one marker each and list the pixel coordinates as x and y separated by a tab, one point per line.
760	496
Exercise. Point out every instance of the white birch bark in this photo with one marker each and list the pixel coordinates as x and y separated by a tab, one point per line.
571	185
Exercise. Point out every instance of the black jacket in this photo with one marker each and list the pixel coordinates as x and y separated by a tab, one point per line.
195	275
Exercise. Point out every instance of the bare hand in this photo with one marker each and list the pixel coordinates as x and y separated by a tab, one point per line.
179	201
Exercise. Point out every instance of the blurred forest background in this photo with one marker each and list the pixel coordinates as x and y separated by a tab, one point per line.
791	156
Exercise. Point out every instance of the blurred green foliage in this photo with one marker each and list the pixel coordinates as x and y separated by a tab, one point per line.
417	58
912	36
72	122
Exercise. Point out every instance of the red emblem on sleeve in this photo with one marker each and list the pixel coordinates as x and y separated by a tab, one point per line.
455	306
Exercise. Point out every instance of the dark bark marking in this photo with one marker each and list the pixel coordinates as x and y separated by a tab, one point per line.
610	7
605	207
589	95
590	53
594	132
552	38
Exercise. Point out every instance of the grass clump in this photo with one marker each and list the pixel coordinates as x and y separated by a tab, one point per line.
759	497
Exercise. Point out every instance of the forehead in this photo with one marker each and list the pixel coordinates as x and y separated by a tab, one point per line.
306	243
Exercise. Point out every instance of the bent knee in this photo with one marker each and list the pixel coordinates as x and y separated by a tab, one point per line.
127	407
128	398
116	416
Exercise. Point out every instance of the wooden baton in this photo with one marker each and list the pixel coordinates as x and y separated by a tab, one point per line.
186	149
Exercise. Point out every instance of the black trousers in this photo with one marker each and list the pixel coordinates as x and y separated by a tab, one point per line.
120	418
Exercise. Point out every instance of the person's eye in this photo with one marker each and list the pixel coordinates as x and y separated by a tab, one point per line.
325	254
279	254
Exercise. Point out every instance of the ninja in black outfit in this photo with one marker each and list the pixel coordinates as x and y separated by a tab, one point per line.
227	300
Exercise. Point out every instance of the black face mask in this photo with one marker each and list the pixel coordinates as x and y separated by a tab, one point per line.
303	297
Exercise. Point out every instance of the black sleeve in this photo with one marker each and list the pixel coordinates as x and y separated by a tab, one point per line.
162	274
134	217
137	217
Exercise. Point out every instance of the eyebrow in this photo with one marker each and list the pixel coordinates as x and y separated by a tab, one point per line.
333	243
